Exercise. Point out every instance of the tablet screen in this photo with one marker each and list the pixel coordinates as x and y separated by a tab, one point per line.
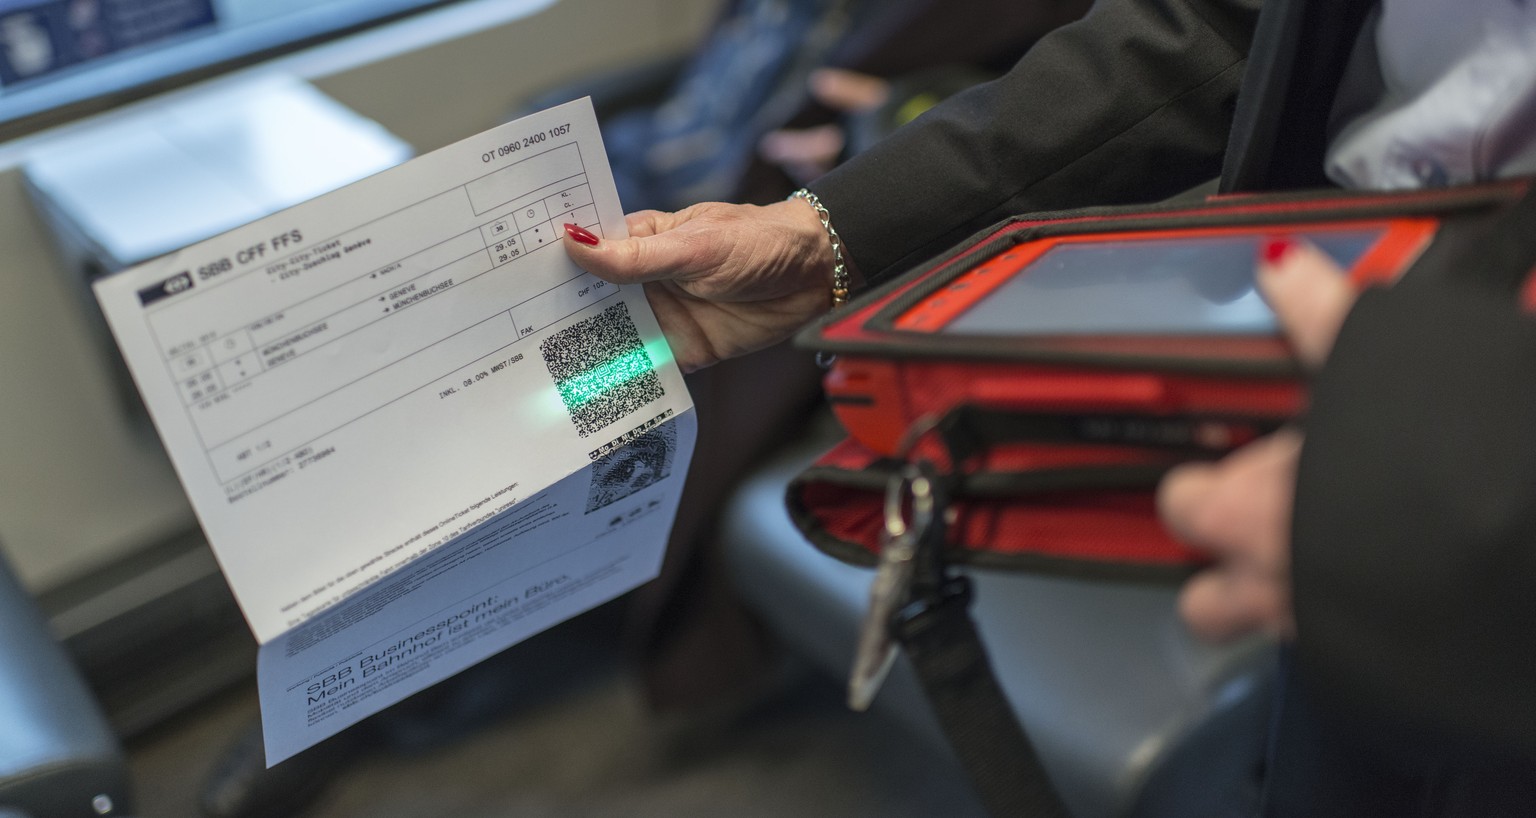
1180	286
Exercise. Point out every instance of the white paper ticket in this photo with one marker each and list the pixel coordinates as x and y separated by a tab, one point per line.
402	400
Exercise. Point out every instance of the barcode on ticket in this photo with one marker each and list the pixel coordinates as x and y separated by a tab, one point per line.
601	369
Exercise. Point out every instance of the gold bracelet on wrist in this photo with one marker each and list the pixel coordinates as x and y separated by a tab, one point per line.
839	269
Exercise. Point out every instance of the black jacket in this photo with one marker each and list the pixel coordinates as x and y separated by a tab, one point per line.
1131	104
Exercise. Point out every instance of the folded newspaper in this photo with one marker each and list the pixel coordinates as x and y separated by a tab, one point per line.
414	432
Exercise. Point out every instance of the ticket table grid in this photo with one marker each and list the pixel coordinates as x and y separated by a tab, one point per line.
523	208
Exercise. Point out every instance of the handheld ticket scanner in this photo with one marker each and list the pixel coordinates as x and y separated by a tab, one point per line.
1099	317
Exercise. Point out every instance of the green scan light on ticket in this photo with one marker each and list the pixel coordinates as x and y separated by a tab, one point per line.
592	384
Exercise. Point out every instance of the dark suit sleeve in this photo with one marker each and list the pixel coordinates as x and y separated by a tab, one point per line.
1133	103
1415	522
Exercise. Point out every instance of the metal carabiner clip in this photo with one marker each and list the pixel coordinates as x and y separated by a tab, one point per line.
892	585
910	483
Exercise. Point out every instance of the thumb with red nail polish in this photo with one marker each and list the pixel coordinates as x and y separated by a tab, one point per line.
582	235
1309	293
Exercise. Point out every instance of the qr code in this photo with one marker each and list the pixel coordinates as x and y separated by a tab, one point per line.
623	472
601	369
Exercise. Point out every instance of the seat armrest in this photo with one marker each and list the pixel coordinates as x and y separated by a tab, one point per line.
58	757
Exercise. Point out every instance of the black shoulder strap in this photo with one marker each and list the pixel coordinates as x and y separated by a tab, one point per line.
946	651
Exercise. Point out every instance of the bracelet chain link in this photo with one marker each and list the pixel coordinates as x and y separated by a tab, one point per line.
839	268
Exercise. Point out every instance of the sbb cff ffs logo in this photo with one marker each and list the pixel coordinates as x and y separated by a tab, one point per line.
181	282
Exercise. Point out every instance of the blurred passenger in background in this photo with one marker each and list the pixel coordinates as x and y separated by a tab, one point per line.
761	69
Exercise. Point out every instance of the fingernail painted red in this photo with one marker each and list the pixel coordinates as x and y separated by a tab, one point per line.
581	234
1275	249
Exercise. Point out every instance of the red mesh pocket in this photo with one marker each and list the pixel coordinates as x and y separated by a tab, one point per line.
838	505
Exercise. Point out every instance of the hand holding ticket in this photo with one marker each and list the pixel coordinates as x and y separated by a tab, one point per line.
412	429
